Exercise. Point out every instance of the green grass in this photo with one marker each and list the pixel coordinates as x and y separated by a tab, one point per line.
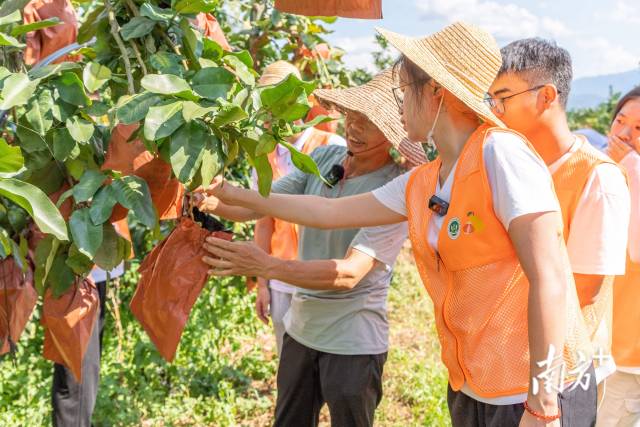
224	372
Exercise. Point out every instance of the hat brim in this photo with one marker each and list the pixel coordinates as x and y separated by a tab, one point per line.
421	54
375	101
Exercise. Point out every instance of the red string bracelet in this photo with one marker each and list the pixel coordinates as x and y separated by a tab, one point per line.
542	417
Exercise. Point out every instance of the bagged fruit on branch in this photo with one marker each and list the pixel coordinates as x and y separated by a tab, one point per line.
68	324
17	300
172	277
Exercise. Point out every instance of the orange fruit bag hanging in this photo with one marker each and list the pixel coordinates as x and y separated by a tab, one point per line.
132	158
172	278
363	9
17	301
68	323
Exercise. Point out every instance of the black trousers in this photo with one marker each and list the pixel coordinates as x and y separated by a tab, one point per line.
350	385
73	402
577	408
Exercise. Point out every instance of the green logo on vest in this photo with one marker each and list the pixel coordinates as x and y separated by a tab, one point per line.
453	229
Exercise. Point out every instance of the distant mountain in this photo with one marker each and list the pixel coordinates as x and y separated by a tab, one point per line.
590	91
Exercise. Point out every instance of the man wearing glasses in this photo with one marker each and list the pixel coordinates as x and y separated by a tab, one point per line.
530	96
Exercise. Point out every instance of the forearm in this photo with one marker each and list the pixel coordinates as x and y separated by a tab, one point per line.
232	213
334	274
362	210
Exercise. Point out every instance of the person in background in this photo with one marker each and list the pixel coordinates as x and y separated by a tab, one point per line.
486	233
336	340
621	404
276	237
530	96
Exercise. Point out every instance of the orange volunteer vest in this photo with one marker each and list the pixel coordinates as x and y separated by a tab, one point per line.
569	182
284	241
626	317
478	288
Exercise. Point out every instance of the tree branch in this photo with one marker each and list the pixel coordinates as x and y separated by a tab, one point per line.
115	29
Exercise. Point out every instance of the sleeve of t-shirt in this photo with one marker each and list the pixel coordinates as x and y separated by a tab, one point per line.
600	224
631	163
254	180
520	181
382	243
392	194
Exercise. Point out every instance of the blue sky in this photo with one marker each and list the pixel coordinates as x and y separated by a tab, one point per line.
603	36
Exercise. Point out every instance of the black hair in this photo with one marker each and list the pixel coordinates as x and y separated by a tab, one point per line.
631	95
415	73
539	61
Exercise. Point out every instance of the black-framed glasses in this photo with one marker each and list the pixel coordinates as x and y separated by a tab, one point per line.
497	104
398	94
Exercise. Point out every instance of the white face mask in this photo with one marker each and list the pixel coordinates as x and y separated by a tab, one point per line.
430	140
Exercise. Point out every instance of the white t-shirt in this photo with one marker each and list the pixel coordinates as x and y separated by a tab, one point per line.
285	165
599	227
520	184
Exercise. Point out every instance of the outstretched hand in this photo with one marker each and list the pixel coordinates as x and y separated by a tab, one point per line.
236	258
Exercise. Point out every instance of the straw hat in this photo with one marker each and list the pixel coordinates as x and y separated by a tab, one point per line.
375	101
463	58
276	72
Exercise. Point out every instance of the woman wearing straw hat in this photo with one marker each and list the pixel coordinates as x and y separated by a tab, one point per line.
486	233
336	337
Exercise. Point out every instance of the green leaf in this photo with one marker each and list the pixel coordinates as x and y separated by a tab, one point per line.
137	27
211	162
265	174
186	149
213	83
164	84
64	146
191	110
61	277
39	114
155	13
241	69
79	129
11	160
266	144
29	140
19	30
62	110
132	109
302	161
133	193
167	63
192	41
186	7
7	40
78	262
5	243
15	16
229	113
95	76
89	27
49	70
71	89
9	7
288	99
45	254
244	56
89	183
113	249
86	235
39	206
102	205
48	178
211	49
17	90
163	120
